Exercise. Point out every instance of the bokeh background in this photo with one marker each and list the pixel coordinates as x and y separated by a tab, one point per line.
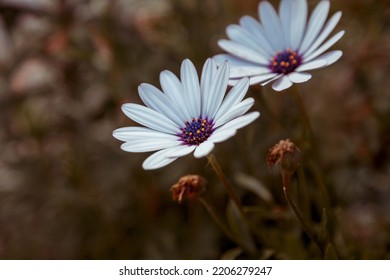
67	191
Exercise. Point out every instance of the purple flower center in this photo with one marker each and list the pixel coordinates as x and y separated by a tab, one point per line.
285	62
196	132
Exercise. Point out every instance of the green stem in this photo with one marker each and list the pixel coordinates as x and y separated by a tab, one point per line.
287	194
303	112
217	219
218	170
233	196
258	94
316	166
317	170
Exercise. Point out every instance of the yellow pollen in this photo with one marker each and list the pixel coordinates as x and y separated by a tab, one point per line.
294	62
274	63
198	131
282	63
202	129
287	64
291	57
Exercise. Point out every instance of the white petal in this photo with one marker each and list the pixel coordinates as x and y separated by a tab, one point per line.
156	100
182	151
325	46
257	31
173	89
272	25
242	52
330	25
331	57
221	135
239	122
217	91
240	68
234	112
315	24
140	145
208	74
315	64
190	81
247	71
261	78
243	37
159	159
233	82
235	95
298	22
285	17
282	83
275	77
131	132
233	60
203	149
297	77
150	118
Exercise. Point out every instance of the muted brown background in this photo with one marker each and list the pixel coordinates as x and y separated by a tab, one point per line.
67	191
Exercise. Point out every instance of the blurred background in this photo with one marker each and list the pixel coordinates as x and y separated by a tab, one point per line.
67	191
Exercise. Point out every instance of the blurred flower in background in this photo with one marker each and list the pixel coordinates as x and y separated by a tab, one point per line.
282	47
68	192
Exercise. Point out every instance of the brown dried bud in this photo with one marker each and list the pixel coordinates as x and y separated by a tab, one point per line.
286	154
191	186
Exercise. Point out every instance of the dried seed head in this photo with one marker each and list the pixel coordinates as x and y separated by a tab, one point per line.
286	154
191	186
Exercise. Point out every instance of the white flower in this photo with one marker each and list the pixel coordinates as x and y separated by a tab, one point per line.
186	116
282	47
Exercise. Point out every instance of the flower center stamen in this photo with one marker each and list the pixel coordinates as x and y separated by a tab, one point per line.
196	132
285	62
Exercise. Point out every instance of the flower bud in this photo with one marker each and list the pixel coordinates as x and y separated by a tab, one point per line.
286	154
191	186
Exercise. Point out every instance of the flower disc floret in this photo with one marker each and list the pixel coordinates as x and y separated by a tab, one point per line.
285	62
196	132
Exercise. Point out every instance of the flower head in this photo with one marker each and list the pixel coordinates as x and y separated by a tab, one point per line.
186	116
281	48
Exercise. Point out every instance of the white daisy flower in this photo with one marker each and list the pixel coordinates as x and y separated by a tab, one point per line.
280	48
186	116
